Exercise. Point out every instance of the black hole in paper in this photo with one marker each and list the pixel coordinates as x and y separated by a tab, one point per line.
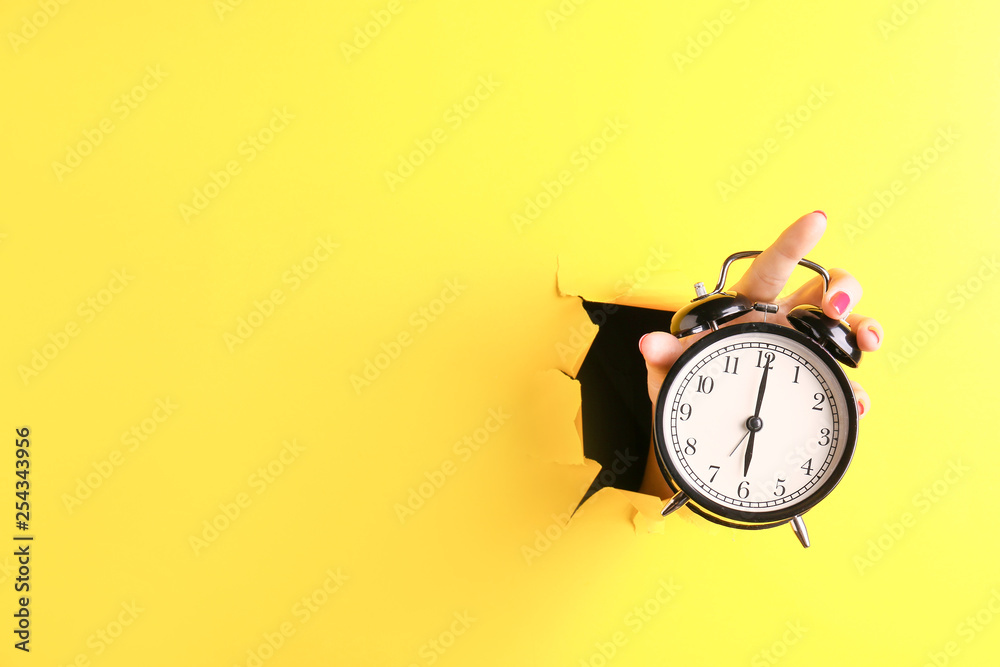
617	412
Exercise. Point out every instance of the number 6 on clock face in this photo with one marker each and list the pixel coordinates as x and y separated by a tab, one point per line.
756	424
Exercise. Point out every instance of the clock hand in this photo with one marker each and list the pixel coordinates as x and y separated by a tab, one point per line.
760	392
754	423
749	454
740	442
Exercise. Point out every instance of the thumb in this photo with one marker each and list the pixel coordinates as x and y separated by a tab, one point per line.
660	350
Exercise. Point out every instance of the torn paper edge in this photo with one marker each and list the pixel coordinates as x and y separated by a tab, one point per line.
646	516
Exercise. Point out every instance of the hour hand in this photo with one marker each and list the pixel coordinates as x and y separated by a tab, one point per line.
749	454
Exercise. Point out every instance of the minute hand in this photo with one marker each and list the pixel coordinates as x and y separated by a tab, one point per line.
755	418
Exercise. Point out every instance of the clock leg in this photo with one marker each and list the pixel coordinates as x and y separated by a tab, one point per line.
799	528
675	503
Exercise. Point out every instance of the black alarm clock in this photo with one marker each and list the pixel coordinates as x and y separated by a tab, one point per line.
756	422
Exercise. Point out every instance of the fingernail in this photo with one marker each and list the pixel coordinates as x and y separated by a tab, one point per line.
878	339
640	341
840	302
861	408
821	213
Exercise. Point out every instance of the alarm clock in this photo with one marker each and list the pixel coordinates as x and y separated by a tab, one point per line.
756	422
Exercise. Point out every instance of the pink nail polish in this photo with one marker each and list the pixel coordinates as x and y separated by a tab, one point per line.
878	339
820	212
861	408
840	302
640	341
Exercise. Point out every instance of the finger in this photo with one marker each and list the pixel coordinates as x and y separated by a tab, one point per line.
844	293
769	272
864	401
660	350
868	331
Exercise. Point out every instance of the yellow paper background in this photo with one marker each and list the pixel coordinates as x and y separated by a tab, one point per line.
491	545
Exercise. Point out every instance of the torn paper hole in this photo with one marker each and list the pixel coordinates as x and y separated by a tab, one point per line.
601	379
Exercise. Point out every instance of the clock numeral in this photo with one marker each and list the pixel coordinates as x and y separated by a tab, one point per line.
716	472
761	356
819	398
705	385
779	490
689	448
826	437
743	490
736	363
808	467
796	380
685	412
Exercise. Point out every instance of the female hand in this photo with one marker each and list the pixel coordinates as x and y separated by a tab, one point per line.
763	282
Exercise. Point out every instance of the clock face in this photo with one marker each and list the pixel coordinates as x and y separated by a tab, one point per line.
755	423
